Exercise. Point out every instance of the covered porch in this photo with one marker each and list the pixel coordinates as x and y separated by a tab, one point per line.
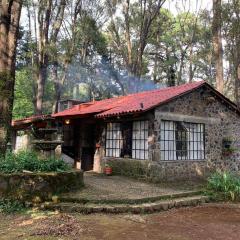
81	142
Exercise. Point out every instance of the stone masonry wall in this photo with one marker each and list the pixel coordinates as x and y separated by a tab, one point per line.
41	186
200	106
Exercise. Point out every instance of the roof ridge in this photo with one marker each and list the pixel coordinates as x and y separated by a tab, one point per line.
167	88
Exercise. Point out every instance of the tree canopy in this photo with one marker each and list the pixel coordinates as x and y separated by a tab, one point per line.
98	49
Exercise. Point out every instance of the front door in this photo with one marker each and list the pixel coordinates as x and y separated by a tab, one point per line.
88	147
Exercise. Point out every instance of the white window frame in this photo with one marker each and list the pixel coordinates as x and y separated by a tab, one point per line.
195	141
114	140
140	140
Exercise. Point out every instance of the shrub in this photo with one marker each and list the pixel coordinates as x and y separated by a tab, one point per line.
29	160
224	186
11	206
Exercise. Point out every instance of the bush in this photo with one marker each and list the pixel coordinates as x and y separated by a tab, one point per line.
29	160
224	186
11	206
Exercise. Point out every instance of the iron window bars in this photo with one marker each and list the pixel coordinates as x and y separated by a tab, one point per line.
113	140
140	140
129	139
182	140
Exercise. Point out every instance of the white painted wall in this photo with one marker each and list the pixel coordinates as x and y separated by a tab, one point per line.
22	143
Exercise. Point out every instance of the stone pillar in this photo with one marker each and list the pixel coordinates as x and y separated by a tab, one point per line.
97	161
13	139
78	164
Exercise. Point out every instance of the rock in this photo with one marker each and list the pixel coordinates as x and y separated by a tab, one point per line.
36	199
165	206
26	171
55	199
135	218
3	186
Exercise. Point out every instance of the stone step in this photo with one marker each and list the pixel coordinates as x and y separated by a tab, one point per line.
72	199
162	205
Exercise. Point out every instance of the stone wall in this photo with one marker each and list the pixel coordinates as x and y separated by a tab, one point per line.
129	167
40	186
158	172
220	120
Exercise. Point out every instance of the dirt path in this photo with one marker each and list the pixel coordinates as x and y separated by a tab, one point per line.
199	223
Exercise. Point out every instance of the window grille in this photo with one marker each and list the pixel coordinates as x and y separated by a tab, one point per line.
129	139
126	129
181	135
140	140
113	140
182	140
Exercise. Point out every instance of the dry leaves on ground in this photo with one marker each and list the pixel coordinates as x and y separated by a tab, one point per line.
61	225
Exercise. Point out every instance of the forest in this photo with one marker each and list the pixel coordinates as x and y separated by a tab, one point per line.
90	50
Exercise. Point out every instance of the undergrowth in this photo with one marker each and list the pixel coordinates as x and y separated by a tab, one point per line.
224	186
8	206
30	161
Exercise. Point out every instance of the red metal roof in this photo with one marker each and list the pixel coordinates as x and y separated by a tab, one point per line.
132	103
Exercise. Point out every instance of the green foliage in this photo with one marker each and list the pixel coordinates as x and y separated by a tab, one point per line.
11	206
224	186
28	160
23	95
181	41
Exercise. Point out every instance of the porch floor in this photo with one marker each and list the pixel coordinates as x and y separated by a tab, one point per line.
101	187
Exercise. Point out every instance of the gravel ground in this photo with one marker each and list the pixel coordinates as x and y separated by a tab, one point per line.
119	187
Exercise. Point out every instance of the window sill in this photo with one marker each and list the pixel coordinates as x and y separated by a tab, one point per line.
121	158
187	160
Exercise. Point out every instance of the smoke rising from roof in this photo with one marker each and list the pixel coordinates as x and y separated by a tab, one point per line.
101	80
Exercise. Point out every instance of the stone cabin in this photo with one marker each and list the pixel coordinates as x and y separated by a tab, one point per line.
174	133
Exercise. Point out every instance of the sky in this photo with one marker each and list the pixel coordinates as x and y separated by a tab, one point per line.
192	5
173	5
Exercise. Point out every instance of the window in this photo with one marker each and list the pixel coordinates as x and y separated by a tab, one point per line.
127	139
140	140
126	150
113	140
182	141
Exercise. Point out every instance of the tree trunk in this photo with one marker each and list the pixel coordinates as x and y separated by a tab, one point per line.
9	25
217	43
237	85
236	51
191	73
57	87
236	66
42	76
133	56
44	16
127	34
180	72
